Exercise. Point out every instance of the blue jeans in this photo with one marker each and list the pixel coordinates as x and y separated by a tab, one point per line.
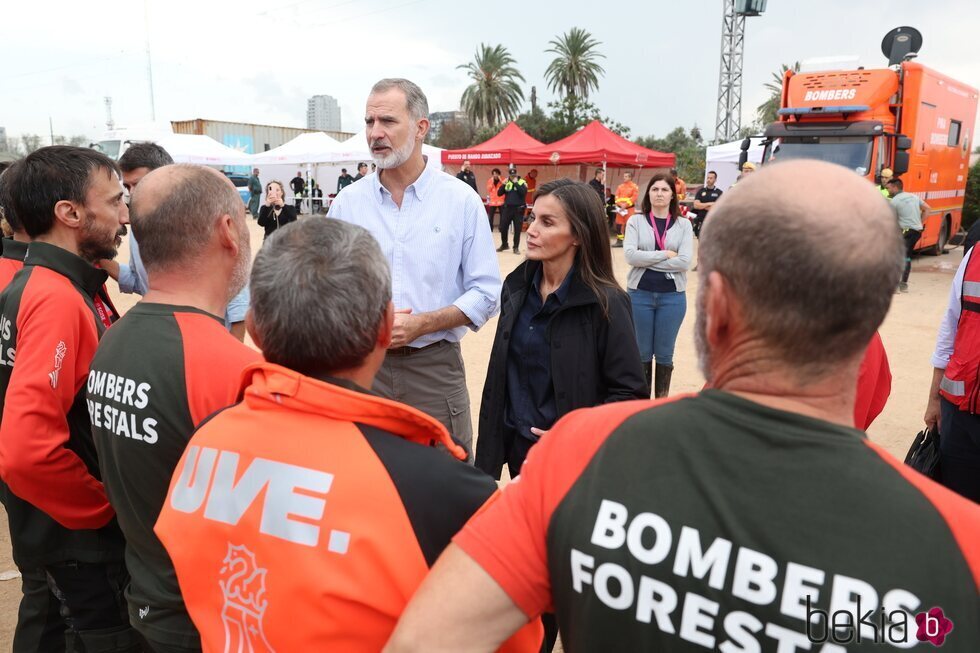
657	317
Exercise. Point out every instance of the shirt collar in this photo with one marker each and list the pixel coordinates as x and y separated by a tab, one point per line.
420	186
14	249
82	273
561	294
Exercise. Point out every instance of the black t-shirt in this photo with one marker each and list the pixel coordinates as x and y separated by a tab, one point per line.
706	195
707	523
158	373
297	184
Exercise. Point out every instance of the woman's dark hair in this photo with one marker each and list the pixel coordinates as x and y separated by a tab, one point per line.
661	176
587	217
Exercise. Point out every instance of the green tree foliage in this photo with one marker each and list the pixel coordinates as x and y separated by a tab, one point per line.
767	111
494	97
687	145
564	118
455	135
574	71
971	203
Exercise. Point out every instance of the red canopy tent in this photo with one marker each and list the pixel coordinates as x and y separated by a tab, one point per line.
596	144
511	145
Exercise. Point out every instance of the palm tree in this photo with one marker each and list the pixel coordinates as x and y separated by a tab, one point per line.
574	71
494	96
767	112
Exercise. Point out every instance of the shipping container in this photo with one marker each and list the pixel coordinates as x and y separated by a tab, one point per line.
246	137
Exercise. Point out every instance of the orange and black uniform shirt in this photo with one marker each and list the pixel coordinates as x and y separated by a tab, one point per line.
53	493
157	374
304	517
11	261
710	522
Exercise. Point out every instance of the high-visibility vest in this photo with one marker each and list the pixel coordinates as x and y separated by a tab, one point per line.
493	199
959	383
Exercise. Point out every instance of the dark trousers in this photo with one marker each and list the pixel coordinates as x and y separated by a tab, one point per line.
911	237
491	210
959	450
511	214
253	205
516	449
80	608
40	626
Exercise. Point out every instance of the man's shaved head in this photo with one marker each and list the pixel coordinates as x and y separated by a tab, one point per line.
174	212
813	274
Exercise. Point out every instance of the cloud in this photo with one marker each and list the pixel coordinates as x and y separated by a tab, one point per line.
71	87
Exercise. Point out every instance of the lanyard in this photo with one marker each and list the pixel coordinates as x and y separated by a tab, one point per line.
658	238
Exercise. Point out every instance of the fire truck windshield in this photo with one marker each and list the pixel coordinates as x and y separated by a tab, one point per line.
853	153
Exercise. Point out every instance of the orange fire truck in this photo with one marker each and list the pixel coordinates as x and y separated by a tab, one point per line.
907	117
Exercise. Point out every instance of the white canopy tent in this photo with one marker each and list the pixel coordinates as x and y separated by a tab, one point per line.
310	147
723	159
203	150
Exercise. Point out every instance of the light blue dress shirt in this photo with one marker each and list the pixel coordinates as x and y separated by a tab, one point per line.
133	279
438	245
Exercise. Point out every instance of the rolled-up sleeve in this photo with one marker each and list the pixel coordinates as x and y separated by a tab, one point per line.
480	272
951	318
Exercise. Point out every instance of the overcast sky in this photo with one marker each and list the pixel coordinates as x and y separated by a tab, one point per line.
258	61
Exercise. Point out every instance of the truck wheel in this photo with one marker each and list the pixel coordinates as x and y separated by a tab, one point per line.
940	246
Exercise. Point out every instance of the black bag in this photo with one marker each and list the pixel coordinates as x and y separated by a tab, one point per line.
923	455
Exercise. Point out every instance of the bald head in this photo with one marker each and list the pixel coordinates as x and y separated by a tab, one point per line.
812	273
175	210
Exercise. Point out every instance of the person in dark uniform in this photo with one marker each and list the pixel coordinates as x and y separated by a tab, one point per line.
704	199
65	538
598	183
466	176
514	192
362	171
172	349
298	186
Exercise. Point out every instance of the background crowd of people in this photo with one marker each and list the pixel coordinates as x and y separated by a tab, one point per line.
168	488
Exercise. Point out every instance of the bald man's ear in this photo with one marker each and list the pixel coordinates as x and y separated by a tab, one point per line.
250	328
387	325
227	234
719	306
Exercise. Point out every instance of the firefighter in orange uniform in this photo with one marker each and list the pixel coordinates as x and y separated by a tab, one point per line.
304	517
627	195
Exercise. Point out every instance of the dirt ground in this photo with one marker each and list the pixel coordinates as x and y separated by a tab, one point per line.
909	335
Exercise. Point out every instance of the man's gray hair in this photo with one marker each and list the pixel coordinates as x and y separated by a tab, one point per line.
320	289
815	299
418	105
179	226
